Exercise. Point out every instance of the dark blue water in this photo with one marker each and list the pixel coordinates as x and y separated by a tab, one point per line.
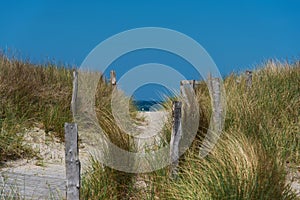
148	105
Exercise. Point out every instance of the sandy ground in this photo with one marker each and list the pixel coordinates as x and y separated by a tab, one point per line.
38	178
150	132
293	177
45	177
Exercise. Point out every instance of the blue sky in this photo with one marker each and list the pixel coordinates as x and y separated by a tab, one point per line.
236	34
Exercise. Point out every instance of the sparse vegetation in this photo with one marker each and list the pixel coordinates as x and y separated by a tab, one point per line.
262	134
40	95
30	95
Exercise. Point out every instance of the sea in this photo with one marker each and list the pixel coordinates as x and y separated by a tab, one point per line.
147	106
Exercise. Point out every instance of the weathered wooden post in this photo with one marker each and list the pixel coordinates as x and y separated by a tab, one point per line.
215	129
113	79
72	161
182	83
249	79
175	138
71	150
193	83
217	106
74	94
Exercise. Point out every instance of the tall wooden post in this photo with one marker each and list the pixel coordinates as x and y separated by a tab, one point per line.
217	106
249	79
175	138
72	162
74	94
215	129
71	150
113	79
193	83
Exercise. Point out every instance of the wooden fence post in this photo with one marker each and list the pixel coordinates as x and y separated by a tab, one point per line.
74	94
249	79
175	138
72	161
113	79
71	150
214	86
193	83
217	106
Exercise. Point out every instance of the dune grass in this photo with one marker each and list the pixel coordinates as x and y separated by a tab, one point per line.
40	95
31	95
269	112
261	134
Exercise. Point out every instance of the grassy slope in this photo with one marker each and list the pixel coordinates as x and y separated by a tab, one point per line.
261	133
40	95
31	95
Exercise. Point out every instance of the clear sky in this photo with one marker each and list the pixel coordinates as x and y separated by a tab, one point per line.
237	34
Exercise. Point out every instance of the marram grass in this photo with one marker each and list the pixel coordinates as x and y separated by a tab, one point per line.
261	134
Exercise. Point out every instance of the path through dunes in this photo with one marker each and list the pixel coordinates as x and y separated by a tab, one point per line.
29	181
45	178
42	178
39	178
150	133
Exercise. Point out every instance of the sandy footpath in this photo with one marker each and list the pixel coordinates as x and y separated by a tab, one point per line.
38	178
45	178
150	133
